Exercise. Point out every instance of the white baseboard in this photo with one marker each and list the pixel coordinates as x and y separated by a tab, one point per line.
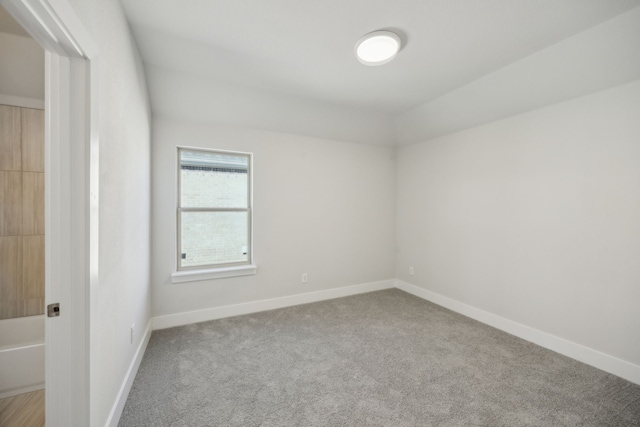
22	390
20	101
603	361
179	319
123	393
587	355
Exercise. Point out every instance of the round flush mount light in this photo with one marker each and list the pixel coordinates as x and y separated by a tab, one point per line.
377	48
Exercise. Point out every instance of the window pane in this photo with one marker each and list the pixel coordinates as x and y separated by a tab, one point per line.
214	238
213	180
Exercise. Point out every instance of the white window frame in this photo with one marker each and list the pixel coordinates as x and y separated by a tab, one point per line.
213	271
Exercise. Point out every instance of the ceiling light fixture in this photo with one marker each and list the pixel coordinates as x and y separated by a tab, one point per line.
377	48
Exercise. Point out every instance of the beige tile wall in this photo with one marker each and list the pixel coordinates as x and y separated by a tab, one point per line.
10	139
21	212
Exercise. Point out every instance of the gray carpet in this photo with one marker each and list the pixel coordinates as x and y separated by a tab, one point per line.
380	359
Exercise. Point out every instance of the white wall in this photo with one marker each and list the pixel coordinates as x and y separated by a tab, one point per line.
321	207
21	68
534	218
123	294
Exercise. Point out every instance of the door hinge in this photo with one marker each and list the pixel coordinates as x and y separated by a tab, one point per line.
53	310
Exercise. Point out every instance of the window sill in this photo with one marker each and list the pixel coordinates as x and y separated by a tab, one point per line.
212	273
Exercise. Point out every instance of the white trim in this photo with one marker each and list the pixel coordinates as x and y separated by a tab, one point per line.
21	101
22	390
587	355
179	319
212	273
125	388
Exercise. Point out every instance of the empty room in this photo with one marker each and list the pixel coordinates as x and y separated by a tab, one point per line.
336	213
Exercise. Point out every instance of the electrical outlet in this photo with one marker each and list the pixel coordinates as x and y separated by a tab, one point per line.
305	278
411	271
133	325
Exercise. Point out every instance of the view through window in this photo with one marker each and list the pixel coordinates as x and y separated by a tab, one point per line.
214	208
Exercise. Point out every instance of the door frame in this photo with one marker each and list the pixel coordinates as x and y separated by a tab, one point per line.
71	201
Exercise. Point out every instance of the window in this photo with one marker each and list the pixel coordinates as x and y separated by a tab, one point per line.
214	214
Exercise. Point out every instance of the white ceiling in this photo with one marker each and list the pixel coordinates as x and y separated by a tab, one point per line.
301	51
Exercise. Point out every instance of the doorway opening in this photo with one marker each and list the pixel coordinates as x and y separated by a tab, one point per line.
22	233
70	188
